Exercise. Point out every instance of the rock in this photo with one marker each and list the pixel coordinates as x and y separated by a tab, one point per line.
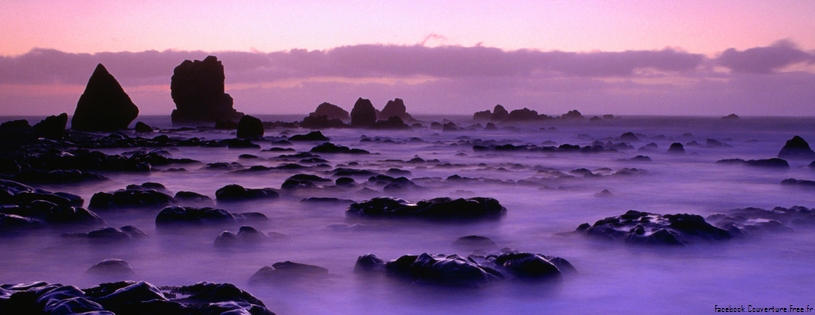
499	113
112	268
134	197
473	271
104	106
288	271
250	127
189	216
573	115
234	193
799	182
52	127
436	209
643	228
393	123
192	198
246	234
395	108
796	148
629	137
330	111
482	115
110	234
197	88
676	148
36	176
775	163
756	221
311	136
329	147
731	117
225	125
363	114
142	128
473	242
523	114
322	122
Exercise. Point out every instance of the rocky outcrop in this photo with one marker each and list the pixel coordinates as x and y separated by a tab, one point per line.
311	136
676	148
472	271
288	271
52	127
395	108
330	111
250	127
128	297
756	221
104	106
796	148
363	114
392	123
435	209
144	196
234	193
197	88
24	208
499	113
774	163
643	228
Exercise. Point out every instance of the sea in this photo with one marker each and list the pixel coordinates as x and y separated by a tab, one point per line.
762	271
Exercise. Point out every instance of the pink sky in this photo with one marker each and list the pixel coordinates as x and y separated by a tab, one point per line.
619	57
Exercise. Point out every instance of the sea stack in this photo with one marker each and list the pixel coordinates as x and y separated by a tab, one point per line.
197	88
363	114
796	147
104	106
396	108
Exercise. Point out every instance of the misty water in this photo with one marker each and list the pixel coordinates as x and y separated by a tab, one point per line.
763	271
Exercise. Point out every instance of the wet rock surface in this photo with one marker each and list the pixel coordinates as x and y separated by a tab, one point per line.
643	228
128	297
23	207
442	208
472	271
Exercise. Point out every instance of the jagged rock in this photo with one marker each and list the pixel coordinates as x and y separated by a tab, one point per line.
104	106
392	123
233	193
142	128
523	114
436	209
52	127
330	111
363	114
250	127
573	114
288	271
197	88
796	148
473	271
396	108
643	228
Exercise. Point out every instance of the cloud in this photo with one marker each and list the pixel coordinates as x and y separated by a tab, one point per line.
765	60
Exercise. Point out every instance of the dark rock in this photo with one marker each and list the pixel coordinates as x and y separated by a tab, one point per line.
110	234
330	111
322	122
393	123
345	182
311	136
245	235
676	148
482	115
234	193
490	127
225	125
104	106
329	147
629	137
796	148
395	108
756	221
499	113
798	182
250	127
189	216
197	88
731	117
475	242
288	271
132	198
572	114
143	128
36	176
643	228
524	114
327	200
52	127
116	268
766	163
437	209
450	126
239	144
192	198
363	114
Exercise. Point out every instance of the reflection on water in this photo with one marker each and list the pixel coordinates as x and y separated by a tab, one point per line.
543	196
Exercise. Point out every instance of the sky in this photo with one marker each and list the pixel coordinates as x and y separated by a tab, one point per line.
441	57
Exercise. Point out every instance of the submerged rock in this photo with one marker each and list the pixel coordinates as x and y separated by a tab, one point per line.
112	268
437	209
766	163
796	148
311	136
233	193
643	228
288	271
190	216
676	148
752	221
104	106
472	271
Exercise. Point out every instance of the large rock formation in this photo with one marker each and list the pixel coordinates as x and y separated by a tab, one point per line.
796	147
104	106
197	88
250	127
364	114
331	111
396	108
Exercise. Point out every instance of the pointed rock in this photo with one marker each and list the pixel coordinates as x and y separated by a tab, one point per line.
796	147
364	114
104	106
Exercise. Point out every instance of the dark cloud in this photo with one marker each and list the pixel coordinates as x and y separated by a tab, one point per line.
765	59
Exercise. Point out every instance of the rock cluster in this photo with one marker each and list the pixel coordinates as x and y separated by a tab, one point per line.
643	228
23	208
